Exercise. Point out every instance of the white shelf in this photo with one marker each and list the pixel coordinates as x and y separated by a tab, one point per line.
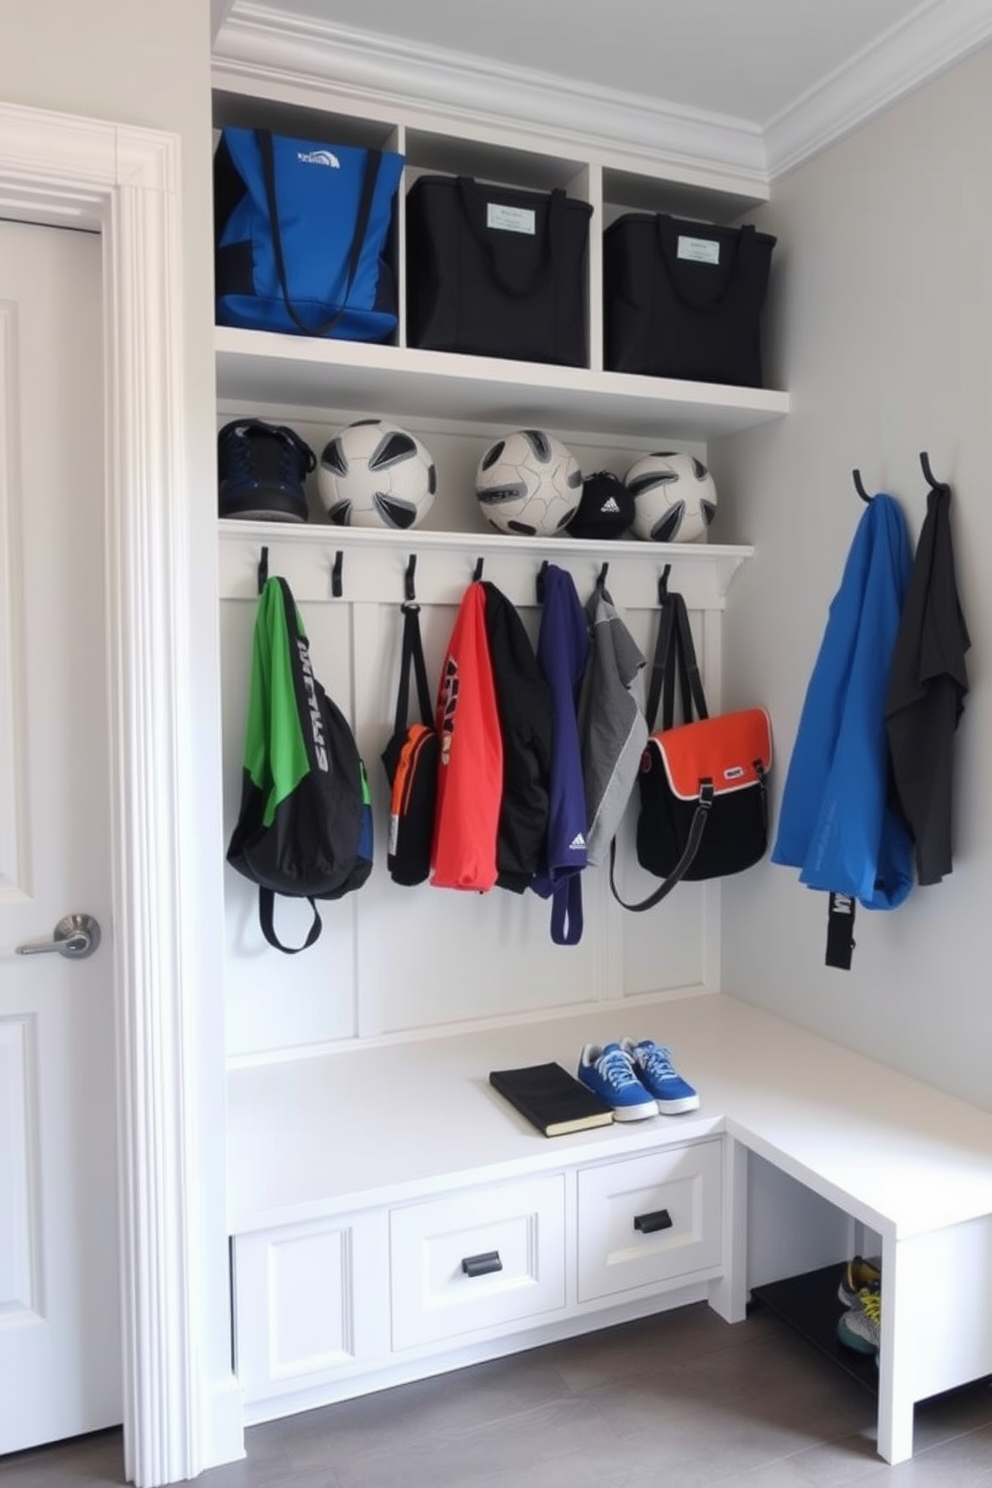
261	367
374	564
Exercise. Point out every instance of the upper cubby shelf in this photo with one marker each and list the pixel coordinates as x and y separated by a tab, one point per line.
256	367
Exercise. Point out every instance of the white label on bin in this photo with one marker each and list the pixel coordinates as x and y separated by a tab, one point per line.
511	219
700	250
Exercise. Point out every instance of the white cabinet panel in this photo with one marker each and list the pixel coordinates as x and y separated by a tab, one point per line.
649	1220
512	1237
310	1302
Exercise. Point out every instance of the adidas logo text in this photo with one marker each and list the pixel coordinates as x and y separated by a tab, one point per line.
577	843
319	157
610	505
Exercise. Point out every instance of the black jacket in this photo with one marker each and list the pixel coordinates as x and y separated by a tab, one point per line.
928	682
523	700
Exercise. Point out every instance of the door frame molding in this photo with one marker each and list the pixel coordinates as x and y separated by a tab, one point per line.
56	169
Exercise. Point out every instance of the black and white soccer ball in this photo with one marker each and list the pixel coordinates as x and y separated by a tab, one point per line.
674	497
375	474
529	483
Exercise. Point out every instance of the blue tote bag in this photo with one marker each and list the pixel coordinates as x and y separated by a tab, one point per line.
301	233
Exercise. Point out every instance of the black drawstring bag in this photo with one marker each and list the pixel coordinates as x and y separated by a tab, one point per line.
411	760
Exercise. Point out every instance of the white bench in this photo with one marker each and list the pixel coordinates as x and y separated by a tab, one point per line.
359	1178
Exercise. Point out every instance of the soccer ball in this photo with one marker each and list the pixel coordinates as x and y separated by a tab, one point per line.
674	497
375	474
529	483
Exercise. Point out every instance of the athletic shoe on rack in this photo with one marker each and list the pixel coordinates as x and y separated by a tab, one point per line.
858	1273
860	1327
654	1068
609	1072
261	469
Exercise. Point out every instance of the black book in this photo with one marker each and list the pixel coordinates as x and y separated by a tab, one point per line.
551	1099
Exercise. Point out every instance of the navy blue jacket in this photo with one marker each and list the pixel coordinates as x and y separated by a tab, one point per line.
562	651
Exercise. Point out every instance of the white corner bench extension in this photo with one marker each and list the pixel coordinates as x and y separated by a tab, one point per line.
361	1181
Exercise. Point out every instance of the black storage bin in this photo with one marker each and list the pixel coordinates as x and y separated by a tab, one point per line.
497	272
684	299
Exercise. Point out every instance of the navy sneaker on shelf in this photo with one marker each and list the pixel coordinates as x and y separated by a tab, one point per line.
261	469
653	1067
609	1072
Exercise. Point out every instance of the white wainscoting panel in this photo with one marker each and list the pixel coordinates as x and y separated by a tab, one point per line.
311	1303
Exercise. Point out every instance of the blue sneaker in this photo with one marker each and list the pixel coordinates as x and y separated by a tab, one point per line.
609	1072
653	1067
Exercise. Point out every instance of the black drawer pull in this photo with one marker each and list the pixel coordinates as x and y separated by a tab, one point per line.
482	1265
648	1223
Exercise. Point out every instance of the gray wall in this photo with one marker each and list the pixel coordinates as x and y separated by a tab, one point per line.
882	332
148	64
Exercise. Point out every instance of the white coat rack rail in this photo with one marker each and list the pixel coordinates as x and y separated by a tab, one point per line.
371	566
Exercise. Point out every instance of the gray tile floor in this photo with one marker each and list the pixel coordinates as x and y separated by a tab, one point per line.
678	1401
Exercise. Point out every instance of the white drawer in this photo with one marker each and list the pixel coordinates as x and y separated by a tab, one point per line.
650	1219
310	1302
477	1260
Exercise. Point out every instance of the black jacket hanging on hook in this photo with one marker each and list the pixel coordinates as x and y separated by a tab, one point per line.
928	683
524	703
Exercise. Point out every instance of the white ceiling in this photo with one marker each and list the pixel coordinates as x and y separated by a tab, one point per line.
749	59
758	84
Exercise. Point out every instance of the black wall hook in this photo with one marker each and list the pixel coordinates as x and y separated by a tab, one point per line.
263	570
477	572
663	583
408	587
540	581
859	485
601	581
931	479
337	587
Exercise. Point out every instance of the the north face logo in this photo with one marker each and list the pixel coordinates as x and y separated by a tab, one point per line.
319	157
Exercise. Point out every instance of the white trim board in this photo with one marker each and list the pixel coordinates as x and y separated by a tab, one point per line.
272	43
123	182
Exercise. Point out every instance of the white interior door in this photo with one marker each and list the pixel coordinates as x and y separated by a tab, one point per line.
60	1371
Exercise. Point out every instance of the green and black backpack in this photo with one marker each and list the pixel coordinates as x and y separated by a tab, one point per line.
305	824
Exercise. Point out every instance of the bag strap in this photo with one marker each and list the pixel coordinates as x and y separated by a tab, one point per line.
662	660
266	908
373	160
413	652
674	657
693	843
668	246
471	198
690	682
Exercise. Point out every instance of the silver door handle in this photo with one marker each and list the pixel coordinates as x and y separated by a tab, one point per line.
76	936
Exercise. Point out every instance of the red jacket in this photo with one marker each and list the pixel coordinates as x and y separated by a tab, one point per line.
470	773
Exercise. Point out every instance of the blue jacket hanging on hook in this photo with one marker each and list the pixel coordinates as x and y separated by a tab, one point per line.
837	824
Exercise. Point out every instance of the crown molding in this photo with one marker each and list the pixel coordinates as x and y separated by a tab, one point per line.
265	42
268	43
937	35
